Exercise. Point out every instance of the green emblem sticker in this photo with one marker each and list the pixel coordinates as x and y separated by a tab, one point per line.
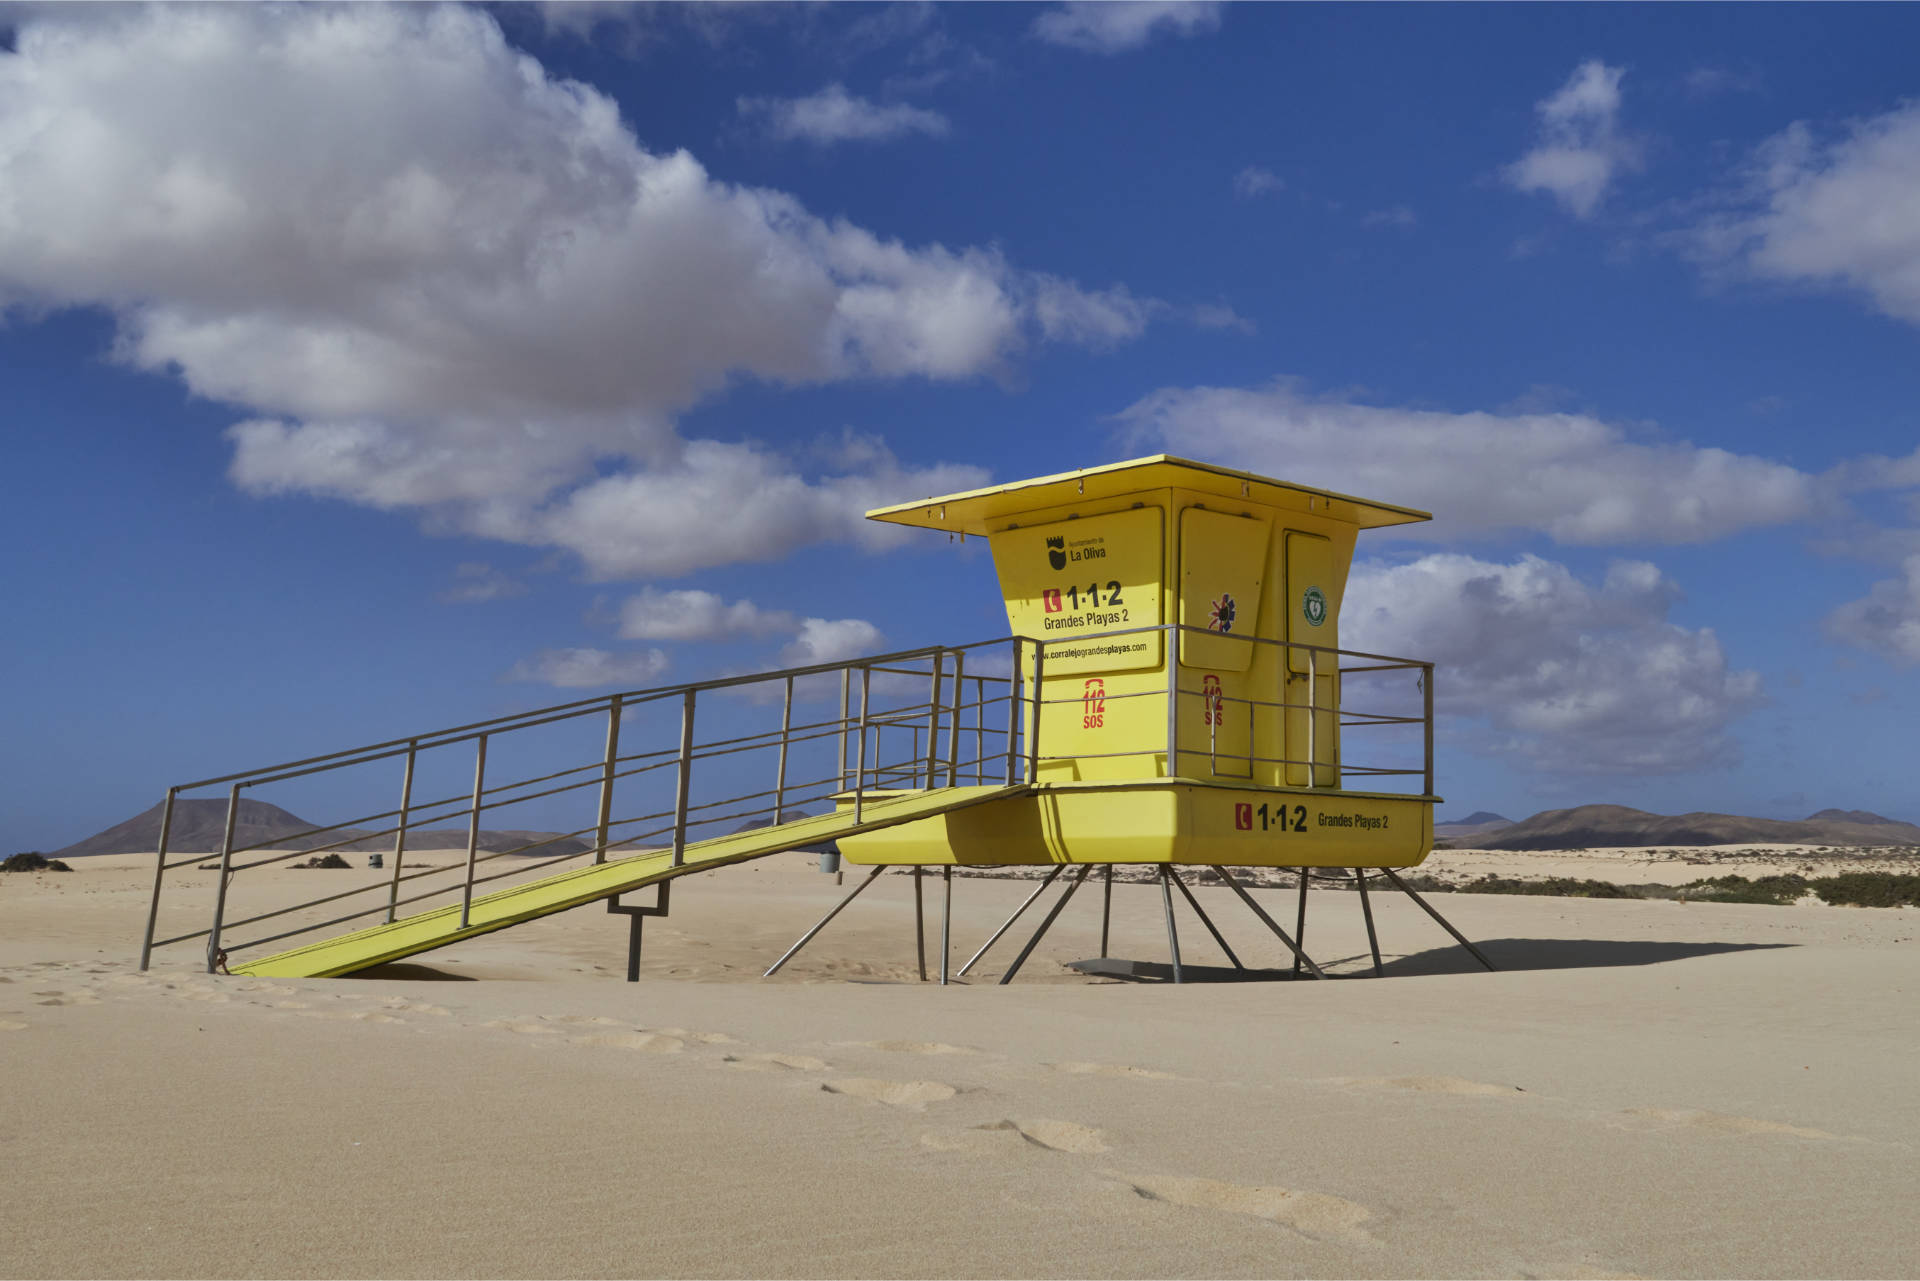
1314	606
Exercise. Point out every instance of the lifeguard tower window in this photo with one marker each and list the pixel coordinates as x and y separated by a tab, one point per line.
1222	563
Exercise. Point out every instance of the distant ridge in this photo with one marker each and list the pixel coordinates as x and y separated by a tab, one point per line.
1472	829
199	826
1588	826
1479	818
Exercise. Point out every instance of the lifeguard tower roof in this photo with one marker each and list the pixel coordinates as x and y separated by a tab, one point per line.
979	511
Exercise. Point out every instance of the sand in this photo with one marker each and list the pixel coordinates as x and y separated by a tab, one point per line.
1647	1088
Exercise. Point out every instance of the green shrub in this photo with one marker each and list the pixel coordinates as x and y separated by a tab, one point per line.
1870	889
1776	891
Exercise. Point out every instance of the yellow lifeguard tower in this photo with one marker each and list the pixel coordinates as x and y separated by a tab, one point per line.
1184	629
1172	693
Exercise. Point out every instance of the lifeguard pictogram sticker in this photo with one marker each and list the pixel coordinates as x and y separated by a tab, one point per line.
1313	606
1221	620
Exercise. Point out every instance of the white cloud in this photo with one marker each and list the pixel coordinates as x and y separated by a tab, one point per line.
589	668
437	279
1571	476
721	504
1580	149
1843	213
824	640
834	115
1256	180
1114	26
1887	620
695	616
476	581
1713	81
1563	675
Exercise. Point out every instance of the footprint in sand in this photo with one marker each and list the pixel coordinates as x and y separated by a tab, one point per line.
524	1029
599	1019
1696	1119
912	1047
652	1042
1055	1136
9	1025
1312	1214
1428	1084
1113	1069
703	1038
912	1095
775	1062
67	998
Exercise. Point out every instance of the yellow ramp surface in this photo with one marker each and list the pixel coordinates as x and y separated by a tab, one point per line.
525	902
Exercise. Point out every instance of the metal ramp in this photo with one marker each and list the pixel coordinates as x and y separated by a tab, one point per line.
428	930
668	781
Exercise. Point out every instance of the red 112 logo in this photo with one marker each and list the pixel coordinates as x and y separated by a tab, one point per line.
1093	704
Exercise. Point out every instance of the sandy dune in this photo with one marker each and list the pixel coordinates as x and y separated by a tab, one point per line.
1647	1088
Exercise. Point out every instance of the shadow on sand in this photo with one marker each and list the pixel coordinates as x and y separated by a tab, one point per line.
1507	954
410	971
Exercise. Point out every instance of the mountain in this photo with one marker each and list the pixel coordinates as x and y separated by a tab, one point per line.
1849	816
1588	826
199	826
1479	818
1473	830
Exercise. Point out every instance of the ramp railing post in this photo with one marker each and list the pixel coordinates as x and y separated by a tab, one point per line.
400	831
953	725
159	874
846	696
473	831
606	779
1013	709
1033	726
214	954
1426	688
860	754
684	781
933	719
780	776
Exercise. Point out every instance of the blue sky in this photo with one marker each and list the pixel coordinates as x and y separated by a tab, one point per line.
374	370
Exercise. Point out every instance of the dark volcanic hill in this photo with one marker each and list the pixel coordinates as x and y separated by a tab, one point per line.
1588	826
200	825
1479	818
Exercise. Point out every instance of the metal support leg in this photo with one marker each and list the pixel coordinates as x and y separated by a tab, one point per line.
1194	903
919	925
1106	911
1007	924
635	916
946	920
1460	938
1269	922
1173	935
1040	933
1300	923
822	923
1366	910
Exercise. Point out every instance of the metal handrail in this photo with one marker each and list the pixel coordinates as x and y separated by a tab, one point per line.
945	712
